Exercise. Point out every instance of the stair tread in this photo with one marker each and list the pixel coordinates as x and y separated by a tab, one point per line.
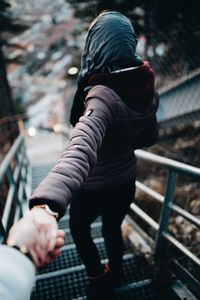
69	257
39	173
73	286
146	292
76	280
66	277
64	222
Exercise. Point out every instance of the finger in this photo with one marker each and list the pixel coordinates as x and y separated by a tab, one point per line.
35	257
52	236
43	237
55	253
42	258
59	242
40	246
46	240
50	256
39	252
60	233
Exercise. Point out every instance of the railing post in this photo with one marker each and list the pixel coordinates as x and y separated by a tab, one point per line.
169	194
2	233
18	179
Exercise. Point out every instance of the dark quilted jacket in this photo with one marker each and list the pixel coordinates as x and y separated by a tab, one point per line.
116	121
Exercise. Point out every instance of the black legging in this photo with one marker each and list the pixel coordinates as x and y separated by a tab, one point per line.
112	205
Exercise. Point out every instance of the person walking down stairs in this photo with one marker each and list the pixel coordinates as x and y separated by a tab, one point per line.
113	113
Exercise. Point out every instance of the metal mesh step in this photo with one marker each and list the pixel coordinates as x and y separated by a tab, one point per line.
95	229
142	291
62	286
74	284
64	222
69	257
95	233
39	173
66	278
41	169
71	283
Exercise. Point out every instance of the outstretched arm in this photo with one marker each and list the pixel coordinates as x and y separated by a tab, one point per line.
76	162
74	166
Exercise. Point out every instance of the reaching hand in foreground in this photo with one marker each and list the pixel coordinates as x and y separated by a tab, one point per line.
38	232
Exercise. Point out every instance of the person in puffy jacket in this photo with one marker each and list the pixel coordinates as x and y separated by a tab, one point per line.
113	113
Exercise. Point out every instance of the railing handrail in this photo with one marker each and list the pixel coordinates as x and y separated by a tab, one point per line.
8	119
163	235
169	163
179	81
10	155
15	169
175	168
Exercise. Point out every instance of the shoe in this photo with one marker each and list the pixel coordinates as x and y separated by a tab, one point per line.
100	288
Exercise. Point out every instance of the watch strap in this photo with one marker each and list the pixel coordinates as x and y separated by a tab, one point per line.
23	249
48	210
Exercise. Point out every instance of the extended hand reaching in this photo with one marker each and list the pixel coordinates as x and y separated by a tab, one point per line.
38	232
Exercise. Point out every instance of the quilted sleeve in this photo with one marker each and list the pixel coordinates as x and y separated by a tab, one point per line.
75	163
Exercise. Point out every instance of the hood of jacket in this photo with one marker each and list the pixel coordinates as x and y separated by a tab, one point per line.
135	86
110	44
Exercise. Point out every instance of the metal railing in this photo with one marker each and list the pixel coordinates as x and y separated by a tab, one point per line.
163	236
15	178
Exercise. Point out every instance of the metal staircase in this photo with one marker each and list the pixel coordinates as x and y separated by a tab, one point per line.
174	277
66	278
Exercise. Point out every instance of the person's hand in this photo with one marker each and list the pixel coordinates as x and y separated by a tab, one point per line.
57	249
38	232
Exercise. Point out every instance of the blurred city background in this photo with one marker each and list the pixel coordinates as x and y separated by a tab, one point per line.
40	47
